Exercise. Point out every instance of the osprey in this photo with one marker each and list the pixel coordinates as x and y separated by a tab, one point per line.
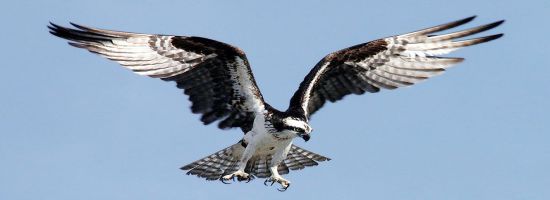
219	82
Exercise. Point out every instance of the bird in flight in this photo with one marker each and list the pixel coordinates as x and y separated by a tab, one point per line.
220	85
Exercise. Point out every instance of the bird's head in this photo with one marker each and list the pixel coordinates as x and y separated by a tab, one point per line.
300	127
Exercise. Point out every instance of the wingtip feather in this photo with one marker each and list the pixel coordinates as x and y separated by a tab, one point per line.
499	22
77	45
464	20
441	27
81	27
459	22
492	37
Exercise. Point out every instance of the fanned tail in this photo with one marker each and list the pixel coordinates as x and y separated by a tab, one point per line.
225	161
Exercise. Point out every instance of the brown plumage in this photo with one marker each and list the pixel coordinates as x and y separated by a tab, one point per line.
387	63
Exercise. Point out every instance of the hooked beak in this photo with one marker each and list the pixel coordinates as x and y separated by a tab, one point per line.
305	136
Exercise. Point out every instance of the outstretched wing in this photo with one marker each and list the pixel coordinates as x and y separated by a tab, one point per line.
215	75
387	63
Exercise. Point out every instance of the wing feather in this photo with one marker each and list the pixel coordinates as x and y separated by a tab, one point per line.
216	76
388	63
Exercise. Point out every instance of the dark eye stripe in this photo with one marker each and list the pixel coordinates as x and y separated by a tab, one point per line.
293	128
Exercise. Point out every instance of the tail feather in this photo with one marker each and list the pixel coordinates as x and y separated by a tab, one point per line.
225	161
216	165
259	166
293	162
283	169
299	158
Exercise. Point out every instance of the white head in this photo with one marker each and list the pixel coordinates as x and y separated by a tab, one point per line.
301	128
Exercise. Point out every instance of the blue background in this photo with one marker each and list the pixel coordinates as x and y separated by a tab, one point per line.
76	126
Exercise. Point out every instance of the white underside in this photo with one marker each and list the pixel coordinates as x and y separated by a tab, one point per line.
262	143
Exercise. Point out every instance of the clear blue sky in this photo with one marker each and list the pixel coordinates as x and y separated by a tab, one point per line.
76	126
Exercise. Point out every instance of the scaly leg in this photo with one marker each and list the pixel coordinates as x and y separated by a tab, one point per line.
277	158
240	174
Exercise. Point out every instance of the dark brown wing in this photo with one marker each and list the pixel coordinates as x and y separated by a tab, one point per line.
216	76
387	63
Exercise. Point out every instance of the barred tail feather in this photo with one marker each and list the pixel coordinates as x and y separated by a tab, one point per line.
216	165
297	158
225	161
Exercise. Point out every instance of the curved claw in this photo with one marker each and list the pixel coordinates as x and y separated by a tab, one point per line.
240	175
269	181
247	179
223	180
283	188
